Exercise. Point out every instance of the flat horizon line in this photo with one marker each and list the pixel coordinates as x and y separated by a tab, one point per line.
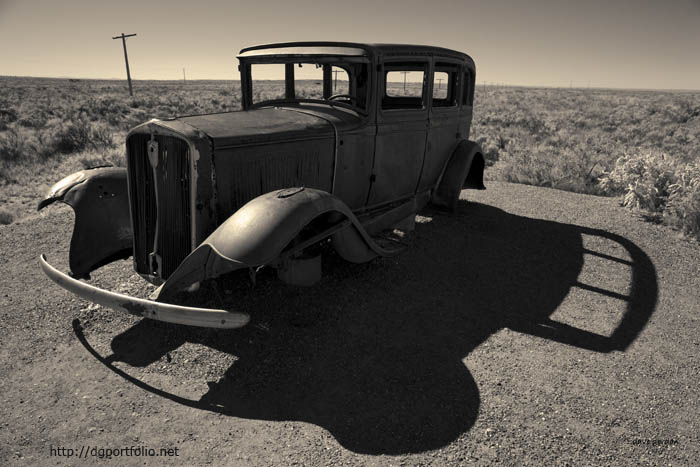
488	85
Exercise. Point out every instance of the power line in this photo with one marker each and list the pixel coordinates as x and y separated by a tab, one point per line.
126	59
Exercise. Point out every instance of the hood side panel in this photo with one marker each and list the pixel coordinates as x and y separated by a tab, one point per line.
244	173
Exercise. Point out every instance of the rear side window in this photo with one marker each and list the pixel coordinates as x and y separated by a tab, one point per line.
404	85
445	79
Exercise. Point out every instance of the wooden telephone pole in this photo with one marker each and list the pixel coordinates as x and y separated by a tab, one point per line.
404	80
335	79
126	59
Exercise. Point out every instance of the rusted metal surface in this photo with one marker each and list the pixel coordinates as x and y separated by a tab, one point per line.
457	172
160	202
102	230
205	317
257	234
209	194
263	126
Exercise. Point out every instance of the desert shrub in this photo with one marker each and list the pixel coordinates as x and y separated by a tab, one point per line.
100	158
72	137
6	217
35	121
570	169
657	184
15	147
8	115
78	136
683	206
101	137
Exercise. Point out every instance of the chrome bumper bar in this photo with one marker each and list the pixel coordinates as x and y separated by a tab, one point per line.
203	317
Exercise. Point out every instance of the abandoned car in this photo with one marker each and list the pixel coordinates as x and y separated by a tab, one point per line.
335	142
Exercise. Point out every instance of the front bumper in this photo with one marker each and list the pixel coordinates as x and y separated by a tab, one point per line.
203	317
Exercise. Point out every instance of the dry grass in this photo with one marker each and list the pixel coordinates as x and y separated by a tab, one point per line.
572	139
642	145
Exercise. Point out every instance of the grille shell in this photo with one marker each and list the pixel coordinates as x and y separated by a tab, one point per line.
166	213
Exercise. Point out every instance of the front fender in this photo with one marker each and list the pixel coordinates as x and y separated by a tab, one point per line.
102	231
257	234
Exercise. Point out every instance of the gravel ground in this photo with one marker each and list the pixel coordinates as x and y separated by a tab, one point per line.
533	327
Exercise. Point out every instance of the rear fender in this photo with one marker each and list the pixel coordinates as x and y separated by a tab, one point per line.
258	233
102	231
465	169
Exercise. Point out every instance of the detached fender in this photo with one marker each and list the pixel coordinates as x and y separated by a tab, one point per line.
465	169
257	234
102	232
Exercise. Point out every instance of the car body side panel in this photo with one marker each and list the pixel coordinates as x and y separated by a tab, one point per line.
398	156
443	136
352	176
465	121
102	230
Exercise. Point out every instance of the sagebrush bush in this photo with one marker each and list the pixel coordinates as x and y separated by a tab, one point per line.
6	217
93	158
656	183
14	146
684	199
72	137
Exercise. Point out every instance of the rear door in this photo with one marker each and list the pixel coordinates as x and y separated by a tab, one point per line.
443	130
402	124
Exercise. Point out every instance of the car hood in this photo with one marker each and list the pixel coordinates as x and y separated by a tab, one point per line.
270	124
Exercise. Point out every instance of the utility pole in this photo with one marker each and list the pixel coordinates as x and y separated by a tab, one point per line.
335	79
404	80
126	59
184	79
439	80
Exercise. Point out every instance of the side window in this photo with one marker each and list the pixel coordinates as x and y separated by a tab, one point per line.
440	85
445	88
467	91
404	85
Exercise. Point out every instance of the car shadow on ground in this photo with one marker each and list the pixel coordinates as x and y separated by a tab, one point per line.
374	353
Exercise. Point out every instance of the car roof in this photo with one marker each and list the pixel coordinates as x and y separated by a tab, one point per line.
350	49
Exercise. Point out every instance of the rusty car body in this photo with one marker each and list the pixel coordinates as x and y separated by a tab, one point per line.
204	195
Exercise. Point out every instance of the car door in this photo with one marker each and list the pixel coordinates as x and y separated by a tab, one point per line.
444	119
402	123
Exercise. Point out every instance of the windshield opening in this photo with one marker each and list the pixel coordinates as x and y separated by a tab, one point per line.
335	82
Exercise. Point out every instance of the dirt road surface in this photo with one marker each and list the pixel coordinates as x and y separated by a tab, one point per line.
532	327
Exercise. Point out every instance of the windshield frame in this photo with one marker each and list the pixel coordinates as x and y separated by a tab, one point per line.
341	61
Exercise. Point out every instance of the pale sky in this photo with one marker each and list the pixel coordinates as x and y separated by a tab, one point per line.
598	43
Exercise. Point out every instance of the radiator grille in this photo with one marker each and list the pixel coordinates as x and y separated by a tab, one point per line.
172	212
